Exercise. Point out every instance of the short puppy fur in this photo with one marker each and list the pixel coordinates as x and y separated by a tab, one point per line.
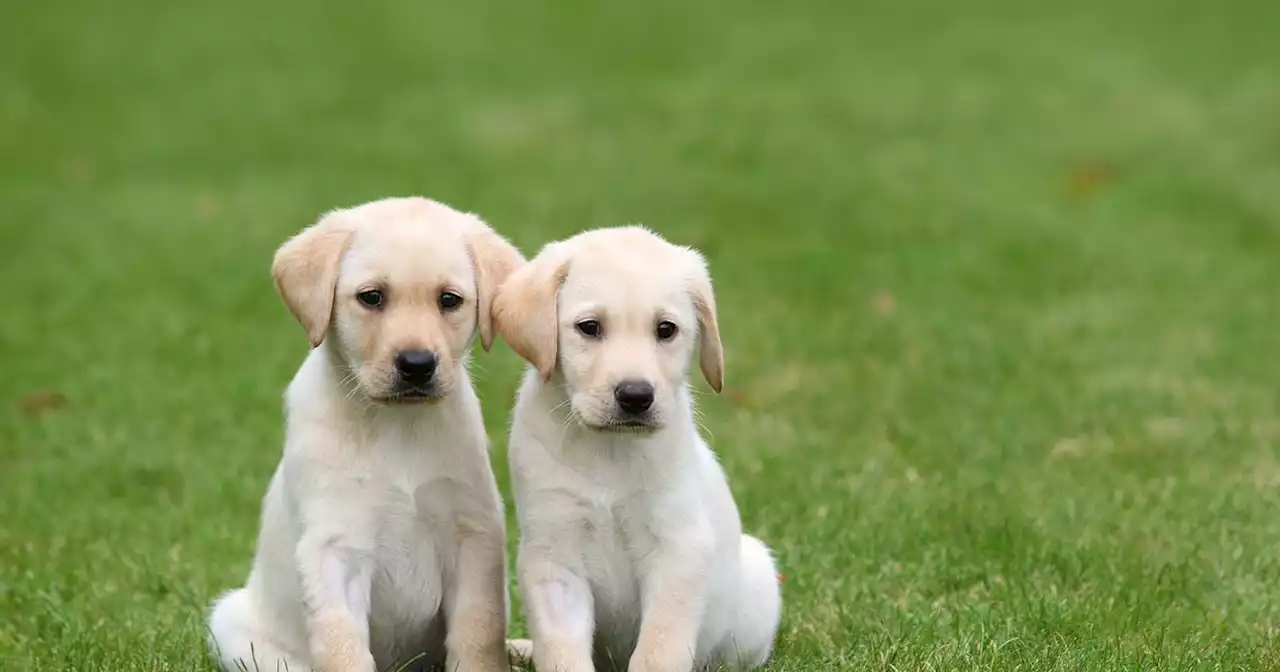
382	537
631	548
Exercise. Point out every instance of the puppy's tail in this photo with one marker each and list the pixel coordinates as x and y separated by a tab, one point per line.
237	643
760	605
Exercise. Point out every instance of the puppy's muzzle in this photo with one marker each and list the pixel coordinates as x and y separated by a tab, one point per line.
415	373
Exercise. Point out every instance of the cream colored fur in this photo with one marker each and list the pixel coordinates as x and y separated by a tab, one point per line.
631	549
382	534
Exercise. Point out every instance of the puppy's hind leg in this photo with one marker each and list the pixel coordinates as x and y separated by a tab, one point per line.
236	643
520	653
520	649
759	608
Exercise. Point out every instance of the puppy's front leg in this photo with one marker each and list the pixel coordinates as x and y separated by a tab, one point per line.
477	615
561	614
336	580
674	596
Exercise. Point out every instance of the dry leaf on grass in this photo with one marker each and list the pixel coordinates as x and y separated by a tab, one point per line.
43	400
208	206
737	397
883	303
1086	179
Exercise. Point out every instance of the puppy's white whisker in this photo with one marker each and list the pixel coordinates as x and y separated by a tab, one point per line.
570	419
706	431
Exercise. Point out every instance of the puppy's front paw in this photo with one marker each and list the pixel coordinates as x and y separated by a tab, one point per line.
489	662
660	661
467	651
361	661
364	663
336	646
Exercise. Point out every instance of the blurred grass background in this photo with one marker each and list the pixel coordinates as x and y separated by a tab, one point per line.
998	281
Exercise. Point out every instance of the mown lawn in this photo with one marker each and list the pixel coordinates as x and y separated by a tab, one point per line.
999	285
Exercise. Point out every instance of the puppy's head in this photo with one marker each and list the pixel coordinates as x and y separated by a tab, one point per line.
397	287
620	313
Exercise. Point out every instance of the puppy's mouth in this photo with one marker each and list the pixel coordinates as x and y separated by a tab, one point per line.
410	396
588	414
628	426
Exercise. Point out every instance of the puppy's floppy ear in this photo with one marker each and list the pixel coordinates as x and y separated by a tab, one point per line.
494	260
711	355
306	273
525	314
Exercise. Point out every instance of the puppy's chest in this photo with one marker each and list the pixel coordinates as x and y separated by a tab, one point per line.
414	546
616	538
414	497
415	500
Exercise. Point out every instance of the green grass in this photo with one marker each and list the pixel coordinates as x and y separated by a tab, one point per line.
999	282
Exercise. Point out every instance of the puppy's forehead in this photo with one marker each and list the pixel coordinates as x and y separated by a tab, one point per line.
407	247
628	268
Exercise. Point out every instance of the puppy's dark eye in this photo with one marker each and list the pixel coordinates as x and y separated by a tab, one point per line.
450	301
666	330
370	298
589	328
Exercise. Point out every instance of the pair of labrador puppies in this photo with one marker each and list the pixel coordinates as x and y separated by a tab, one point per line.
382	543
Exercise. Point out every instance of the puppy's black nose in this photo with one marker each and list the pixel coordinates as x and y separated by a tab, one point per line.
416	366
634	396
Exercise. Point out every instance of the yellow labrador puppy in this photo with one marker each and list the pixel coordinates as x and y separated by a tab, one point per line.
631	549
382	535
